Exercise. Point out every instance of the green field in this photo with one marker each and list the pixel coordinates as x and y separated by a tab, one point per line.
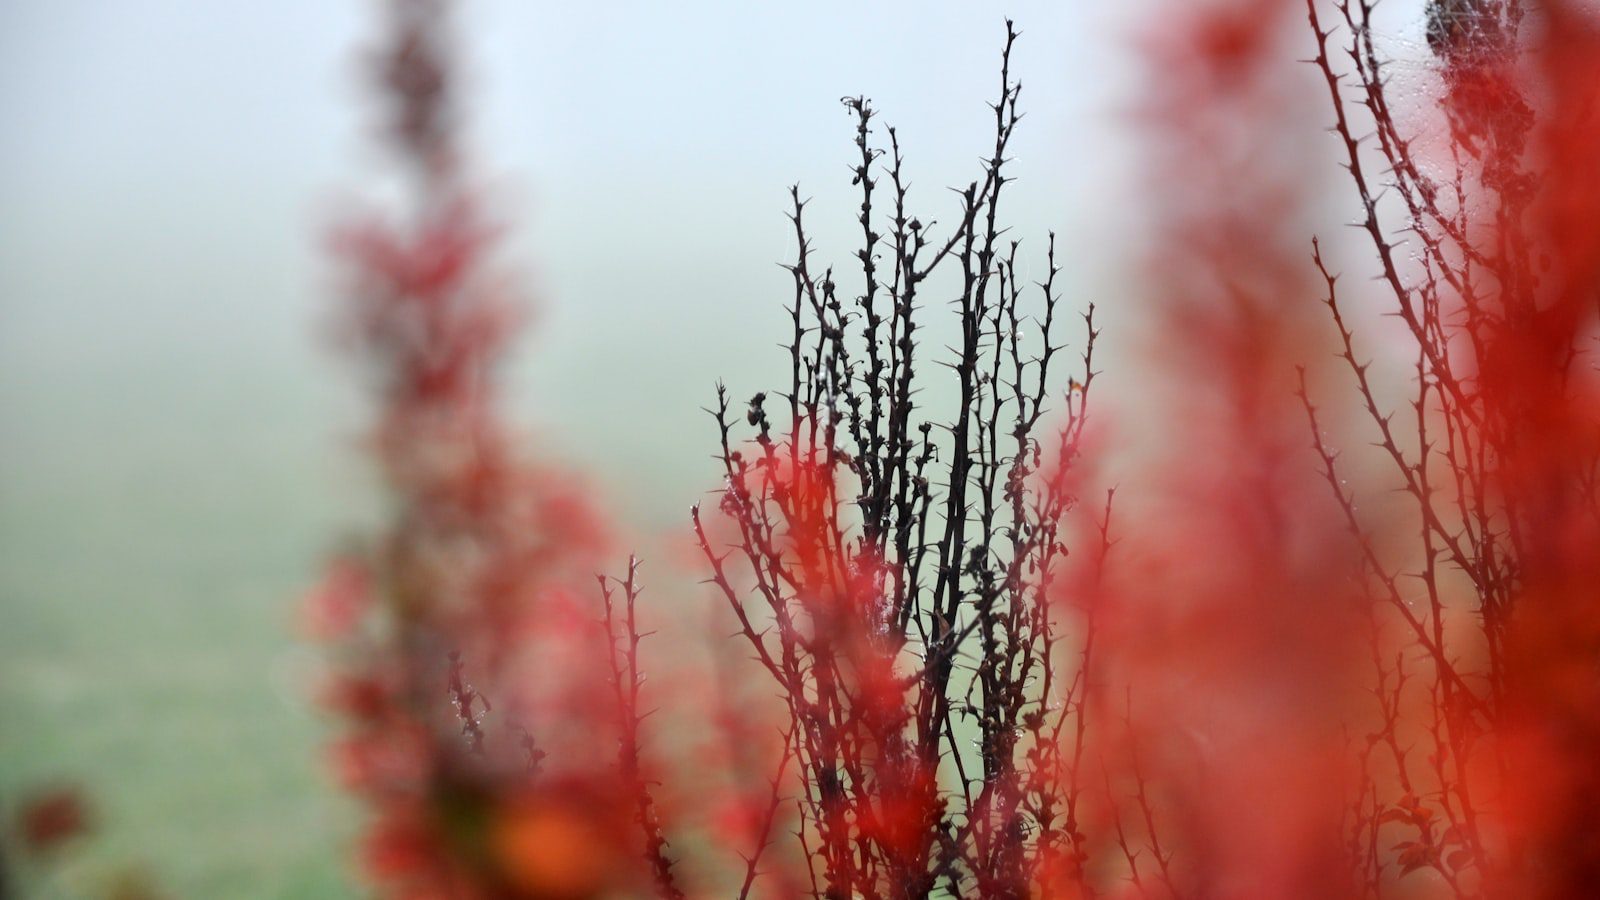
159	518
153	536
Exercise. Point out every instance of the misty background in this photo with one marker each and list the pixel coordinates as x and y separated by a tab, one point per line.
175	427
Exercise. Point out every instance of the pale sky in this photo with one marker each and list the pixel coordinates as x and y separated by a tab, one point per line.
165	168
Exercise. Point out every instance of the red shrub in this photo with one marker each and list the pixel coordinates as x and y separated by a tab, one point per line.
468	671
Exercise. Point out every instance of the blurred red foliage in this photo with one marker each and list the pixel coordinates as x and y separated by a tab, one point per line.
49	818
1228	620
466	664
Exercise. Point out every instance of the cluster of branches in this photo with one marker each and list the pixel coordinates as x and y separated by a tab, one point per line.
1497	394
893	570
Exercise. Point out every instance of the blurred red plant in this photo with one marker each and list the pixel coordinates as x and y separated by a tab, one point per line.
1486	654
51	817
1228	620
50	827
467	667
1239	635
